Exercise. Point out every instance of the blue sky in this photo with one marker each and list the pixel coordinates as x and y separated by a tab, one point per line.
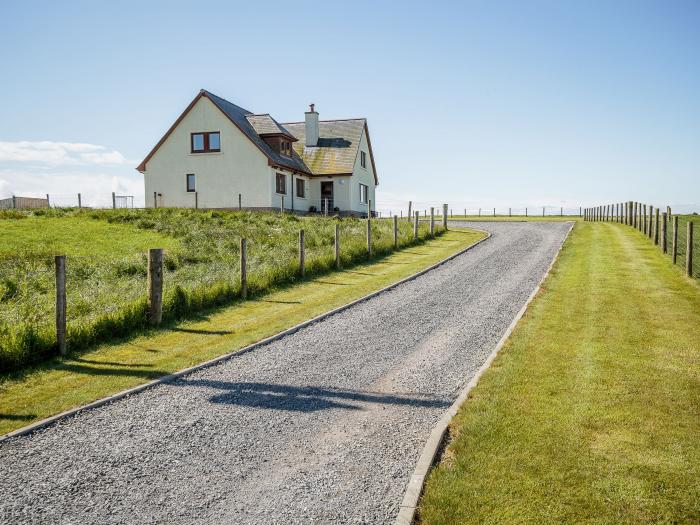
473	103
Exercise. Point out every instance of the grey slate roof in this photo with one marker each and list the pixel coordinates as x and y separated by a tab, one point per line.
239	116
337	149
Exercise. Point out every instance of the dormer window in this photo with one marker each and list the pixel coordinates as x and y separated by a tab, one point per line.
205	142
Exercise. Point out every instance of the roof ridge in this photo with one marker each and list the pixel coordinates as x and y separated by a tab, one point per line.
329	120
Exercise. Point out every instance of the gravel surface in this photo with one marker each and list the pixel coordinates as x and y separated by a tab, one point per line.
323	426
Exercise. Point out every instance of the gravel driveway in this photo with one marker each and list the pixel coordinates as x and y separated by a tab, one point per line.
323	426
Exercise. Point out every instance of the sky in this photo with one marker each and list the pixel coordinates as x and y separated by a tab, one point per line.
474	103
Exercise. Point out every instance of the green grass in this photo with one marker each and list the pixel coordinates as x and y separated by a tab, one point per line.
60	384
107	261
591	412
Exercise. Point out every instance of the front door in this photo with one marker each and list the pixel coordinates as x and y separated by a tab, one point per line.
326	197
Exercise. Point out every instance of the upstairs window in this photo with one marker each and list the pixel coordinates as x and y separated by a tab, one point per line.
364	193
205	142
190	182
363	159
301	188
286	148
281	183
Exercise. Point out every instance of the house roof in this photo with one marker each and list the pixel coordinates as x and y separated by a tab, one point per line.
335	154
265	125
337	148
239	117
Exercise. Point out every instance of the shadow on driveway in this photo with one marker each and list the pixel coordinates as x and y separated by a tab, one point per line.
304	398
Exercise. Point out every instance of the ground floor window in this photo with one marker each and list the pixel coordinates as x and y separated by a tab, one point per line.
281	183
364	193
301	188
190	182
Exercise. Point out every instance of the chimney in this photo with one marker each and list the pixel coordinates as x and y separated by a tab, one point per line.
311	127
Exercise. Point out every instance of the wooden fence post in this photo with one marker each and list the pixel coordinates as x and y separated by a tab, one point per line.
244	268
80	201
465	213
239	202
656	228
542	211
302	261
444	216
61	303
689	250
396	232
432	221
674	253
651	221
494	212
369	237
155	286
509	212
644	219
155	199
415	228
337	245
408	217
48	202
282	204
196	200
664	226
14	202
114	201
526	211
479	212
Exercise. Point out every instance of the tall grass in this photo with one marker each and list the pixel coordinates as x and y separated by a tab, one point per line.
107	291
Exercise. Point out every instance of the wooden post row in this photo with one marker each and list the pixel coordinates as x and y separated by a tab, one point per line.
155	286
674	253
444	216
302	258
369	237
432	221
61	303
396	232
244	268
664	241
656	228
689	250
415	227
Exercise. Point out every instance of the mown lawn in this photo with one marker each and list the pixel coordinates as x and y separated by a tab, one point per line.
59	384
591	412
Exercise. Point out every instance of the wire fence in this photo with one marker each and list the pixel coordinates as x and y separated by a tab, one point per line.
671	233
107	294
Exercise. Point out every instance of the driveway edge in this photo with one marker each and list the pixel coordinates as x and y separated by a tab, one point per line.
414	489
29	429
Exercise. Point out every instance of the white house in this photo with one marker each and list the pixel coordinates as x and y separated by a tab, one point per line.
218	155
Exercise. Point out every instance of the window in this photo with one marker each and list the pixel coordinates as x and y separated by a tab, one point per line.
364	193
190	182
286	148
281	180
363	159
301	188
205	142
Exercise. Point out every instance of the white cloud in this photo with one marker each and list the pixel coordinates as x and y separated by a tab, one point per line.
64	185
59	153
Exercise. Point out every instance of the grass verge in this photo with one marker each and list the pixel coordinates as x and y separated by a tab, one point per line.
591	412
59	385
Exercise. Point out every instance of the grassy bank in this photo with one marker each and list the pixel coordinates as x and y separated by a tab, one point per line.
58	385
591	412
106	267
